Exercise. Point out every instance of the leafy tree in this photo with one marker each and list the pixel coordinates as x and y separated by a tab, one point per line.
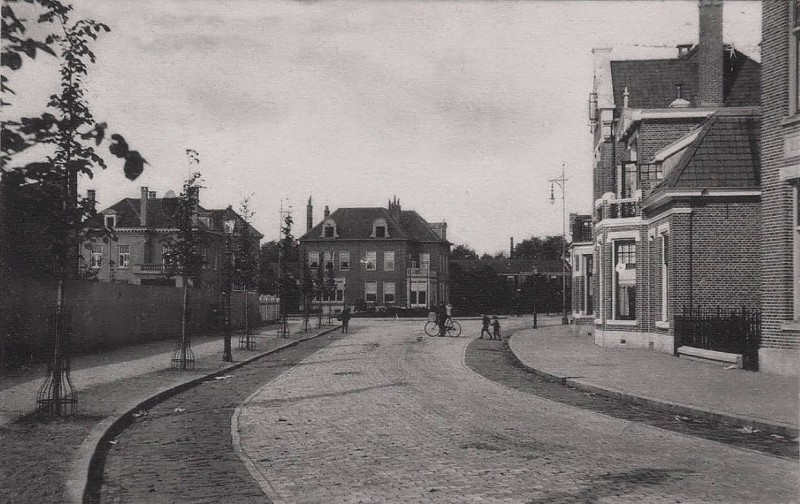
246	267
463	252
183	255
549	247
286	283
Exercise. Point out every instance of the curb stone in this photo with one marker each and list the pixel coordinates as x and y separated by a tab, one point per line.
768	427
90	457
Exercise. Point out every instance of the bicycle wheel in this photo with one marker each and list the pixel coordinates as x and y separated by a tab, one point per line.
432	329
454	329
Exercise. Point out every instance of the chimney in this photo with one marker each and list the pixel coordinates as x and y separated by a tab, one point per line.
710	54
625	97
683	50
309	215
143	207
327	212
151	195
511	249
394	207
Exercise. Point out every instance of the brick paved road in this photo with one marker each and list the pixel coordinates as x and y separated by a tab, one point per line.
389	415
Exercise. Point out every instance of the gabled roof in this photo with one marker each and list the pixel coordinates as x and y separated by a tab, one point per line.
724	154
651	83
356	224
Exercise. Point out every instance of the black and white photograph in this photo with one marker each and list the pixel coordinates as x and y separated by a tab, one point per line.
400	251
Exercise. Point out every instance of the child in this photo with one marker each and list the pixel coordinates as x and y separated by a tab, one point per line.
496	327
485	327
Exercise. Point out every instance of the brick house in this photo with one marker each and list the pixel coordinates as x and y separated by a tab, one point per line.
780	174
581	258
676	187
382	256
141	225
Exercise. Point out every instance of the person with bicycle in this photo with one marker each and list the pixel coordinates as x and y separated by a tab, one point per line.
441	319
485	327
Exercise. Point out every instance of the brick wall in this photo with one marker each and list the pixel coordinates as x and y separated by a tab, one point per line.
655	135
777	247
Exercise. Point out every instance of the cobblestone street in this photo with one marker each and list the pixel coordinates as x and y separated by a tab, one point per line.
387	414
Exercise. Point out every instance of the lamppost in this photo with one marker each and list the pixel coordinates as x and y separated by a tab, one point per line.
561	182
229	226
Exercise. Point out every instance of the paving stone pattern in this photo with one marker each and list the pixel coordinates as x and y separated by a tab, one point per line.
180	450
389	415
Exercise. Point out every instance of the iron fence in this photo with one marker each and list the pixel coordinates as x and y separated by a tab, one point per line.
731	331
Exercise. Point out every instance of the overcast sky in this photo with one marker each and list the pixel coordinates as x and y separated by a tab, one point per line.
463	110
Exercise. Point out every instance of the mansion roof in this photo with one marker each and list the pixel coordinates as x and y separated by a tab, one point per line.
357	224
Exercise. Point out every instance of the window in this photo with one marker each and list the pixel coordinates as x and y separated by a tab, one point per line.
371	292
576	261
329	231
371	260
627	179
313	260
664	276
425	261
344	261
328	260
388	292
652	171
418	293
124	256
340	289
97	256
388	261
380	229
625	280
111	221
796	253
588	272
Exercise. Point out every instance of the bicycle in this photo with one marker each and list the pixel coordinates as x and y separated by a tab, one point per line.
451	327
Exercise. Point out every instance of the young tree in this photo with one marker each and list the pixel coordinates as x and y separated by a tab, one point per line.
70	131
246	269
183	256
285	281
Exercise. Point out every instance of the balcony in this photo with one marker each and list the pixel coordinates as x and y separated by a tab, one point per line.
621	208
148	269
421	272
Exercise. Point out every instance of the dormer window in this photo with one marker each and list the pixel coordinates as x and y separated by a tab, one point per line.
380	229
329	229
110	221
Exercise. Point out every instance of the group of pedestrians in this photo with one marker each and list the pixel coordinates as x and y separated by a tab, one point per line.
485	323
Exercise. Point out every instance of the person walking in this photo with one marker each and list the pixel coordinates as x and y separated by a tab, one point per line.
485	327
496	328
345	319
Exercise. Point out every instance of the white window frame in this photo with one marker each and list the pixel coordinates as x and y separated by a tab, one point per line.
313	260
794	59
344	261
796	251
371	260
388	261
415	287
615	279
371	292
328	258
124	258
380	222
425	260
340	283
389	289
665	262
96	259
113	218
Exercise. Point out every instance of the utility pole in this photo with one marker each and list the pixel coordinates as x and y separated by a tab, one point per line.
561	182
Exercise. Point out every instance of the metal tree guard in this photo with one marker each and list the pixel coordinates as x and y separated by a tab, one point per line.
57	396
183	356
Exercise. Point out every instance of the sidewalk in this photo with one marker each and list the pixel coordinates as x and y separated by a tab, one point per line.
150	359
763	401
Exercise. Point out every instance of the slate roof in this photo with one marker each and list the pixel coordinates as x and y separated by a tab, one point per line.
725	154
512	266
651	83
160	213
356	224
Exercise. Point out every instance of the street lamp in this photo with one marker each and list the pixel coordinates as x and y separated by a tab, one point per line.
229	226
561	182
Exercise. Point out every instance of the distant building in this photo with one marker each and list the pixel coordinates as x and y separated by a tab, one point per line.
379	256
141	225
581	253
676	188
780	177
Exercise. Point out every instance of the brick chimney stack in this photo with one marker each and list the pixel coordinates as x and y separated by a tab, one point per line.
327	212
309	215
143	207
710	54
511	249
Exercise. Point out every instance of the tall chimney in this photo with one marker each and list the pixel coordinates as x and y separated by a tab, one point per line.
309	215
143	207
511	249
710	54
327	212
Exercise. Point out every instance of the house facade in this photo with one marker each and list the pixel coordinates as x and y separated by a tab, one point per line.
676	189
780	199
142	225
581	254
379	256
